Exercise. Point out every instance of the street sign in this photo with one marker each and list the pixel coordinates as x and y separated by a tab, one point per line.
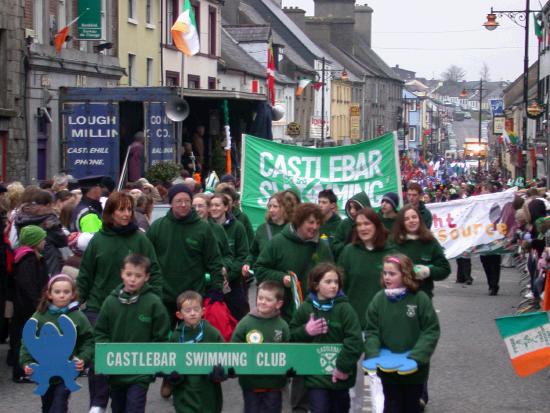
200	358
89	23
497	107
499	125
293	129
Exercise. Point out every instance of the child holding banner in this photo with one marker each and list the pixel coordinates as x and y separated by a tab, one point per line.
402	319
326	316
263	394
132	313
195	393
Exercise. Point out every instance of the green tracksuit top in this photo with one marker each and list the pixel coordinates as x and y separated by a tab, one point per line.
238	244
362	275
343	328
430	254
264	234
243	219
408	324
186	249
287	252
342	237
255	329
102	261
387	222
144	321
84	348
223	243
197	393
329	228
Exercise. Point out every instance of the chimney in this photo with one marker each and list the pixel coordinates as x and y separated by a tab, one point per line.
334	8
318	30
278	2
363	22
297	15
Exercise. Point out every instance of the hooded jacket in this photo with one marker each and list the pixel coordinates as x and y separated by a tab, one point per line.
343	328
287	252
144	321
342	237
425	214
102	261
238	245
363	271
243	219
222	242
264	234
187	249
329	228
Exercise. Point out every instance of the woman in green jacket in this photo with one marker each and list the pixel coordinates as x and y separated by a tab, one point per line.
277	216
99	270
220	207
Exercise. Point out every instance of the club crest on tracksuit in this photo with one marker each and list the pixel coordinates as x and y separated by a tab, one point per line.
411	310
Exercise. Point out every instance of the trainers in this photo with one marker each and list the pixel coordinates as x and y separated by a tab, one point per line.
22	380
422	404
97	409
166	389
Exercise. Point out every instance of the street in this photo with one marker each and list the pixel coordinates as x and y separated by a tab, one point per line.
470	371
464	129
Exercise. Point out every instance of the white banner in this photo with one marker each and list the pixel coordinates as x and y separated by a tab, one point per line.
472	225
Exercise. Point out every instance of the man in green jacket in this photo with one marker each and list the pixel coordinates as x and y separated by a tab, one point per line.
186	249
414	191
345	228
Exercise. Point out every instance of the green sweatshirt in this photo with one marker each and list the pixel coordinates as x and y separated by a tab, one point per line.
330	226
343	328
243	219
222	242
287	252
186	250
387	222
363	272
342	237
430	254
271	330
197	393
102	261
238	244
84	348
425	214
408	324
261	239
145	321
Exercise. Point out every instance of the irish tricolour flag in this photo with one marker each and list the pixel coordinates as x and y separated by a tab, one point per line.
184	31
527	338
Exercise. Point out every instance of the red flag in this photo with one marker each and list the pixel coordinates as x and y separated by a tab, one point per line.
62	34
271	74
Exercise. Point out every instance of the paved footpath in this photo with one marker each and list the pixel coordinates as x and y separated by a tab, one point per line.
471	372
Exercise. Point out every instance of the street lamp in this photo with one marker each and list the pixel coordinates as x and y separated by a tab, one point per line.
517	16
463	94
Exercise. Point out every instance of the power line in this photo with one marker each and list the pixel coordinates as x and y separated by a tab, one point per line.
445	31
448	49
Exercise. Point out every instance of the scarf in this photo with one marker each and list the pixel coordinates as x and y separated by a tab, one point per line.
72	306
395	294
127	229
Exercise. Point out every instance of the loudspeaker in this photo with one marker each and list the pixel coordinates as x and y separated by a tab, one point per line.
277	112
177	109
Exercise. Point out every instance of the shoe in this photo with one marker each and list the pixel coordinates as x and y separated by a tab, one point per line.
469	281
97	409
22	380
459	281
493	291
422	404
166	389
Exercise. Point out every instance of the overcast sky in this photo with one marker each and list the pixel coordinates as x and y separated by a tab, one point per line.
427	36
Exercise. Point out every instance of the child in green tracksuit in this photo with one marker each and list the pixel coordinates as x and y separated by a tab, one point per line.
195	393
132	313
60	298
263	394
402	318
326	316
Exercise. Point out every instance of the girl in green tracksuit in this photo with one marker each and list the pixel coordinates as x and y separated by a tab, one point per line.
326	316
220	207
401	318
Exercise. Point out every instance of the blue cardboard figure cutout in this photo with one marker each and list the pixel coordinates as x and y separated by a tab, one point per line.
52	351
391	362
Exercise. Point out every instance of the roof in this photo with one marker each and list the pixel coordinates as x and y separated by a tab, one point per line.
260	33
364	52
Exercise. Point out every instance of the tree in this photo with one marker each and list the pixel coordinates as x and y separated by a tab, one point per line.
484	72
453	73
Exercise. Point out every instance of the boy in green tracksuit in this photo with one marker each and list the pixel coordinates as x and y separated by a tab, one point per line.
262	394
195	393
342	237
326	316
133	313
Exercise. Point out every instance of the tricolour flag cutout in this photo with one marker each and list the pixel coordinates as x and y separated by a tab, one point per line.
527	338
302	85
184	31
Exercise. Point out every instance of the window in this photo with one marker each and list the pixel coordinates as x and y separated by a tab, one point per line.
149	68
171	17
3	68
131	68
212	83
3	155
61	15
37	22
132	10
104	34
193	82
148	12
212	30
197	10
412	133
172	78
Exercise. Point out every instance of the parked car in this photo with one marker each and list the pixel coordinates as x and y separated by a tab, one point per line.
467	115
458	116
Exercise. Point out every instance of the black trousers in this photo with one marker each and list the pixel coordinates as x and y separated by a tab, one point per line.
463	270
491	266
402	398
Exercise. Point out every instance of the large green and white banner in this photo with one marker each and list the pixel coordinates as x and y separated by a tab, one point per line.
200	358
269	167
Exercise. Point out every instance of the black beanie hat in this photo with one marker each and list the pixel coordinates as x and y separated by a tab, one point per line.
176	189
392	198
